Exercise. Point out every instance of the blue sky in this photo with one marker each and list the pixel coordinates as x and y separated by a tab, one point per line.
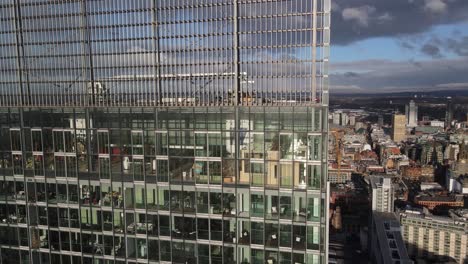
399	45
390	48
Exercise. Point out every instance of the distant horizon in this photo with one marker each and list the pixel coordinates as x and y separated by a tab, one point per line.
461	90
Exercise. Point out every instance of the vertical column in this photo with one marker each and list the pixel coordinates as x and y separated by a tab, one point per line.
463	246
431	240
314	50
157	53
237	100
441	243
325	51
83	95
19	53
86	29
453	243
325	98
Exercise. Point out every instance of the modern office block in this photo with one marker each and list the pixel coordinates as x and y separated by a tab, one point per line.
336	118
352	120
382	193
411	112
164	131
436	238
449	113
398	127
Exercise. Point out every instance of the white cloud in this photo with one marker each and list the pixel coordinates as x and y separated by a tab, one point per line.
386	17
435	6
359	15
409	17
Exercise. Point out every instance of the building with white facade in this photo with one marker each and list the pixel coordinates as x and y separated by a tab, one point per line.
411	111
382	193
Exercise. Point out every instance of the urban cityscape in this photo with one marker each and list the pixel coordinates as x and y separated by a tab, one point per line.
398	175
233	131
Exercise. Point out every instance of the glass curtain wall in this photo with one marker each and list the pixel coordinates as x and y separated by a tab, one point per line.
130	216
152	131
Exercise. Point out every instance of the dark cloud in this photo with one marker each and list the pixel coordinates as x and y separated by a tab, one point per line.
390	76
437	47
354	20
431	50
351	74
415	63
459	47
407	45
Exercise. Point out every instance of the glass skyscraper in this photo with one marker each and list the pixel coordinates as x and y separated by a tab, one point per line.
175	131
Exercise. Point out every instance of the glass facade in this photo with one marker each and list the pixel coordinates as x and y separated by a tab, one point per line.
171	52
180	131
229	185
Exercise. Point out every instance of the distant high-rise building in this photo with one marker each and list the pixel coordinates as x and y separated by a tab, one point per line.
340	119
382	200
451	152
449	113
352	120
432	152
398	127
191	131
344	119
380	120
382	193
411	111
336	118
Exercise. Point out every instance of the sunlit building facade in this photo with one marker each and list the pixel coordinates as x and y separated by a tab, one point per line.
164	131
398	128
433	238
411	112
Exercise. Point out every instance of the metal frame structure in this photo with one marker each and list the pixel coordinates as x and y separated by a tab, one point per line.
164	131
52	51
